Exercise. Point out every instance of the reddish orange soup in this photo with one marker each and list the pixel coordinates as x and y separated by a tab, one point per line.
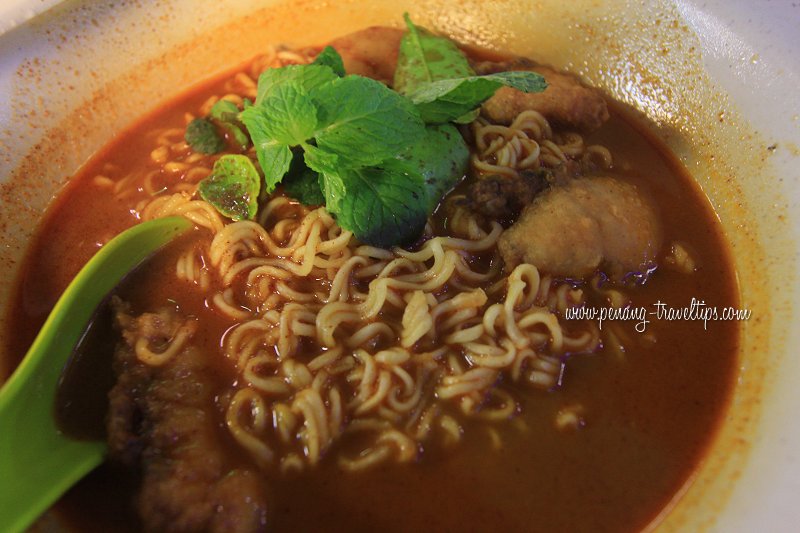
650	415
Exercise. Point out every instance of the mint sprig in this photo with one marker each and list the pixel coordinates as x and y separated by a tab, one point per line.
379	159
358	120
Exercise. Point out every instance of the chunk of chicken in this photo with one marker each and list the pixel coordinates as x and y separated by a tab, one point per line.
565	101
588	224
371	52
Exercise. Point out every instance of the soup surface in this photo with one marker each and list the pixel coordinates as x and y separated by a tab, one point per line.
604	447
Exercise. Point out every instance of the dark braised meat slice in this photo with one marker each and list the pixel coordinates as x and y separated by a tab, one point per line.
163	420
502	198
565	101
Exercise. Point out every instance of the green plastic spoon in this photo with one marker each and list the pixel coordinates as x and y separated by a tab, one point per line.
37	462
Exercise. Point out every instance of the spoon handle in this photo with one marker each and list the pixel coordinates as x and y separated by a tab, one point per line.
37	462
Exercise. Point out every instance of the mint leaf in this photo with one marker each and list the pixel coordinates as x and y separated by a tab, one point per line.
304	187
202	136
304	77
274	160
425	57
333	189
441	157
233	187
384	205
320	160
303	183
274	157
329	57
287	114
366	153
522	80
327	165
466	118
226	115
363	121
224	111
448	100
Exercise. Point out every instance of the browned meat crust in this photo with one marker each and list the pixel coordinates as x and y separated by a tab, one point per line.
370	52
502	198
588	224
565	101
162	419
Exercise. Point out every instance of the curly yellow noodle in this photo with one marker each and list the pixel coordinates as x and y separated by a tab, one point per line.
175	344
247	401
270	386
331	338
529	143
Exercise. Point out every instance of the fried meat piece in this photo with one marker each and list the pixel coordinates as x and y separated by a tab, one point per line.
164	420
370	52
565	101
589	224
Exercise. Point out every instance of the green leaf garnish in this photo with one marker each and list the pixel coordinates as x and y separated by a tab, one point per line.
353	120
329	57
384	205
320	160
290	116
362	148
304	187
303	183
425	57
441	158
224	111
226	115
233	187
363	121
202	136
273	156
448	100
304	77
274	160
331	184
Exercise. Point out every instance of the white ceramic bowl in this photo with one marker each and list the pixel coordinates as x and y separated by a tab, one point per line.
719	81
